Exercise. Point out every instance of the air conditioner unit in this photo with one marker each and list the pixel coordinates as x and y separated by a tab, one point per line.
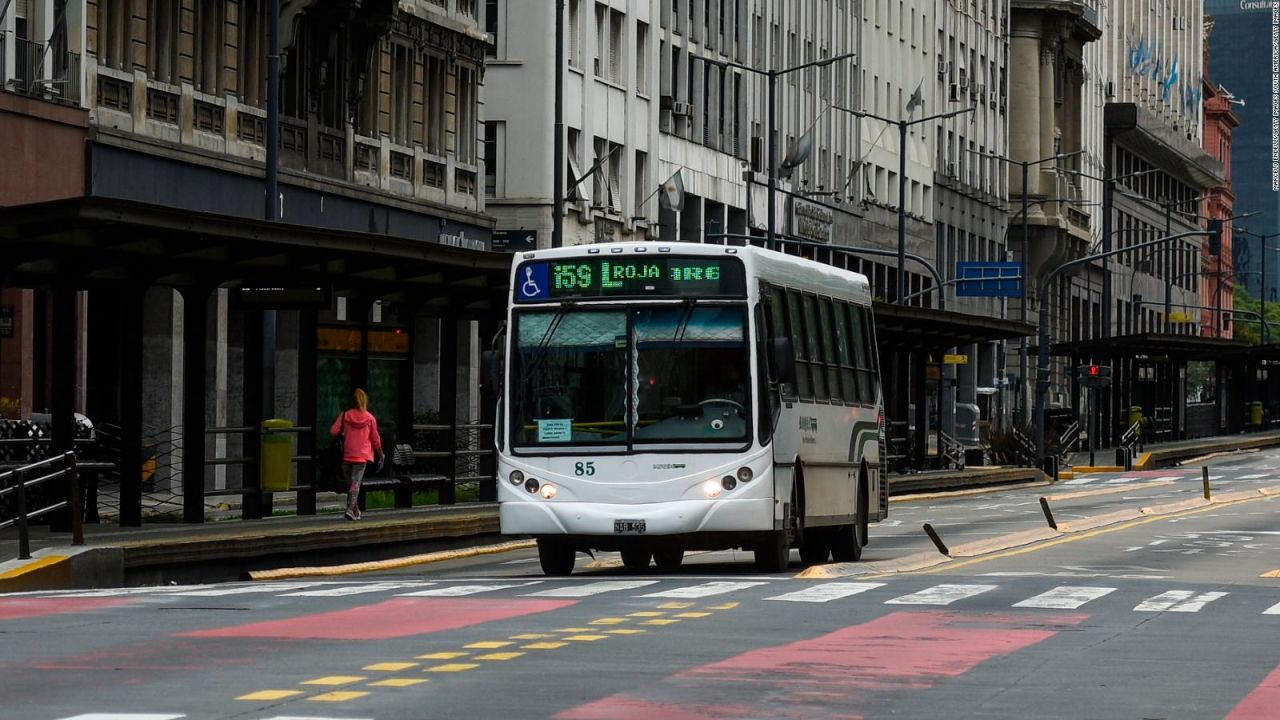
964	78
992	98
954	94
757	153
944	67
682	108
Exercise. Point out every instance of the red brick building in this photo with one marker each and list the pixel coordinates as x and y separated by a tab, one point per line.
1217	283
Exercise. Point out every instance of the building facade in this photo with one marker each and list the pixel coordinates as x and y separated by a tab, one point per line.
1218	281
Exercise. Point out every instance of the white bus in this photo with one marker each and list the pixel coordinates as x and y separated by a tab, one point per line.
664	397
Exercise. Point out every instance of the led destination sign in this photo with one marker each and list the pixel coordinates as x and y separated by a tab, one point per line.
600	277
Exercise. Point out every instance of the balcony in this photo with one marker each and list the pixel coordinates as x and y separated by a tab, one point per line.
39	72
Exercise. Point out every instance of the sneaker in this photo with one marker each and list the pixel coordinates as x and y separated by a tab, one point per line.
348	515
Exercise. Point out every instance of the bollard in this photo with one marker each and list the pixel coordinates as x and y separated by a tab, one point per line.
933	535
1204	474
1048	514
24	537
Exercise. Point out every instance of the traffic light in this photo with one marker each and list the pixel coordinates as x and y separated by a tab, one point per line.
1094	375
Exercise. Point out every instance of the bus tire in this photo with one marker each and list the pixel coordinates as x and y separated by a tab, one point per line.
847	540
774	554
668	560
556	558
816	546
635	559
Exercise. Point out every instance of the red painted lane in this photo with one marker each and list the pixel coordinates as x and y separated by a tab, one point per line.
396	618
834	675
1261	704
14	608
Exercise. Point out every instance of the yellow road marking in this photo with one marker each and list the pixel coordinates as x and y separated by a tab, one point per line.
920	497
488	645
575	630
544	645
531	636
587	638
335	680
624	631
270	695
500	656
692	614
338	696
675	605
659	622
399	682
442	656
1108	491
609	621
1272	574
32	566
390	666
646	613
723	606
452	667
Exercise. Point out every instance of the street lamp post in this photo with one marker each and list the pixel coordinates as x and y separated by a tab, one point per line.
557	175
902	126
1045	336
771	77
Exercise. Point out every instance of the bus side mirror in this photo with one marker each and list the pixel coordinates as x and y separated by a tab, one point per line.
491	367
784	360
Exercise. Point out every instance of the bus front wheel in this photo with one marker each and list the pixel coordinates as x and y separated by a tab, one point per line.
635	560
668	560
556	558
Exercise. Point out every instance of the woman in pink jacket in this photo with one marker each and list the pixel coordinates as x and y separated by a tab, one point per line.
360	444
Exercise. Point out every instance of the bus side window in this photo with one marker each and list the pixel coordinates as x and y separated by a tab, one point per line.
813	336
768	405
862	355
848	381
828	334
795	326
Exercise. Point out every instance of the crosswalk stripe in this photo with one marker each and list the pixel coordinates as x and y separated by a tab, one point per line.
827	592
596	588
1253	476
244	590
344	590
1065	597
1273	610
941	595
125	716
1178	601
704	590
460	590
121	592
1080	481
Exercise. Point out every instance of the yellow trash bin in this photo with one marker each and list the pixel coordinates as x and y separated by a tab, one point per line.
276	456
1135	416
1255	413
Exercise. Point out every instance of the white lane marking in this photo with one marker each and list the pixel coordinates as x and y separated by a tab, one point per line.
827	592
460	590
941	595
120	592
1065	597
245	590
1178	601
704	590
125	716
1163	478
1273	610
595	588
1080	481
310	717
344	590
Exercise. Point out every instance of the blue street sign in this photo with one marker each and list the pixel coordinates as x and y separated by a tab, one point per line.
989	279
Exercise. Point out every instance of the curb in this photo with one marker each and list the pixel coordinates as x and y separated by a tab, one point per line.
393	564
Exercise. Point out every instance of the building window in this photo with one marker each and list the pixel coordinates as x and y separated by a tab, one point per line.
575	35
495	133
642	58
401	93
162	41
253	55
366	121
437	75
209	43
466	114
602	19
615	47
113	28
491	10
642	188
605	181
573	158
467	7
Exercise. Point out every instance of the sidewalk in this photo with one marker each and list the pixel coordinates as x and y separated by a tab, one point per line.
1157	455
227	549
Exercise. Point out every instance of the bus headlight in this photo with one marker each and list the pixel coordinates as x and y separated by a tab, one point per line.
745	474
711	488
548	491
728	482
531	485
516	477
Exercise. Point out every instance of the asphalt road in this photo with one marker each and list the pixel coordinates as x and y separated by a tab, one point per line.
1162	616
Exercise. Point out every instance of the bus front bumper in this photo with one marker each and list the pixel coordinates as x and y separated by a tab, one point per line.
670	518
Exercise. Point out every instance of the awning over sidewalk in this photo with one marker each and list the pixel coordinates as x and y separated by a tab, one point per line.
920	328
1180	347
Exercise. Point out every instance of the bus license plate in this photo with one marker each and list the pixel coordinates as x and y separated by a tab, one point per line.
628	527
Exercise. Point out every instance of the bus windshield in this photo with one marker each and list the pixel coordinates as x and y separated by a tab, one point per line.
669	374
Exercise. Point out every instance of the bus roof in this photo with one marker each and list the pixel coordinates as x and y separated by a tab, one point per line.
768	265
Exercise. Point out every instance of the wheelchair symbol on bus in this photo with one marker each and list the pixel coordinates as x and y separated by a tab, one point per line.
534	286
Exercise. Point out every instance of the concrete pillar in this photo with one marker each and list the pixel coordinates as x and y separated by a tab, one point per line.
426	364
307	392
216	397
194	372
1024	93
162	319
1045	173
129	339
448	400
256	504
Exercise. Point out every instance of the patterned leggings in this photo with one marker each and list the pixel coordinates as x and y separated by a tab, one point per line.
354	473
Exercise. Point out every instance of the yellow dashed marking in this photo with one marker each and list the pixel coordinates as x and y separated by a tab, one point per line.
531	636
500	656
692	614
399	682
675	606
574	630
659	622
723	606
488	645
390	666
544	645
587	638
270	695
646	613
452	667
625	631
609	621
338	696
442	656
334	680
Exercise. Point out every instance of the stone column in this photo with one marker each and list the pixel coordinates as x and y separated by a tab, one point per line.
1042	177
1024	94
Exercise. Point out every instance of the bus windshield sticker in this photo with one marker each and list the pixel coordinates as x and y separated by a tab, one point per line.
558	430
